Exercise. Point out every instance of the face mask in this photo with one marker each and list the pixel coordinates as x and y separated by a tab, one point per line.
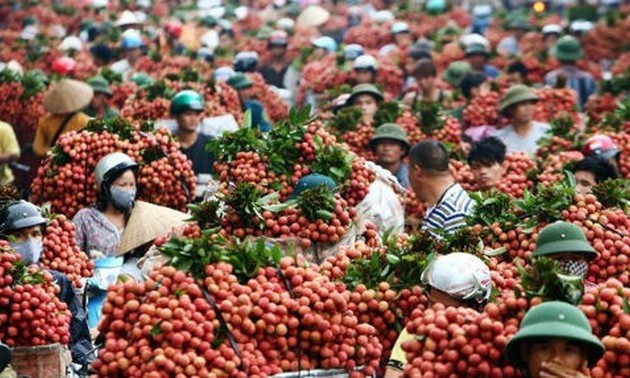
574	267
122	199
30	251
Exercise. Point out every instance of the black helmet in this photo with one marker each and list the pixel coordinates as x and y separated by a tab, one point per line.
19	215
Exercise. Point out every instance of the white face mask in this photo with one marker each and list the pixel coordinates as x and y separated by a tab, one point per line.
575	267
30	251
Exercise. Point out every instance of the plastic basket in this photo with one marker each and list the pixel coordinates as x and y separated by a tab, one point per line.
46	361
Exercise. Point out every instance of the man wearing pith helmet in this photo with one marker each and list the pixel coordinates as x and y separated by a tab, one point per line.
555	340
390	144
565	243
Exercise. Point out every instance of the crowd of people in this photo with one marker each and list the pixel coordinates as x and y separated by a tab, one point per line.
366	55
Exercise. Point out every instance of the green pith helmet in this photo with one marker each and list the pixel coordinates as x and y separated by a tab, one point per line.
312	181
100	85
456	72
365	89
390	131
239	81
141	79
186	100
567	48
563	237
516	94
554	320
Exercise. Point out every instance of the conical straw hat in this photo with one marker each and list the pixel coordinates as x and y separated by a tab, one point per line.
68	96
313	16
147	222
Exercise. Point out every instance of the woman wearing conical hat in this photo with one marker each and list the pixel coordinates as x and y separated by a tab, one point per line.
64	103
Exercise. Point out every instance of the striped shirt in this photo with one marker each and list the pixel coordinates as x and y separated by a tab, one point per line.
450	211
580	81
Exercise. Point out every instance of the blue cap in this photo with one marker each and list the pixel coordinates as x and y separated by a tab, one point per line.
131	41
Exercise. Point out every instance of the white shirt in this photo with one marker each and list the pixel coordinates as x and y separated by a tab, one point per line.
527	144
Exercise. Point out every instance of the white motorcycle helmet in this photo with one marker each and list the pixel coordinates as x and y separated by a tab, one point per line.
111	166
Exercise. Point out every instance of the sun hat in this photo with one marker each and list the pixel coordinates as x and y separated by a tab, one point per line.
517	94
400	27
476	48
563	237
312	16
325	42
567	48
71	43
68	96
554	320
127	18
365	62
551	29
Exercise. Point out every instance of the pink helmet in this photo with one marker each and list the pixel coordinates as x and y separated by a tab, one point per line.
64	65
601	145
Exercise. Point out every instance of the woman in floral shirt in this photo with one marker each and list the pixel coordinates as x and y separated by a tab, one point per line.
99	228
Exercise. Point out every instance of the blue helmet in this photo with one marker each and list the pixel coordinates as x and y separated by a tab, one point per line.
131	41
326	43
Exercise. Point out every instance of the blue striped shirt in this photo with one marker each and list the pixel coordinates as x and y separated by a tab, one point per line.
450	211
580	81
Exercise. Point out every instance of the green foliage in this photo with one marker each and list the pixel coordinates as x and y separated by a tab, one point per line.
206	214
116	125
547	205
429	114
248	257
345	120
544	279
111	76
388	112
192	255
334	162
159	89
613	193
317	203
280	148
491	207
244	139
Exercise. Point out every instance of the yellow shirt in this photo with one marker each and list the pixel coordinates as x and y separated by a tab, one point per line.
48	126
8	145
398	359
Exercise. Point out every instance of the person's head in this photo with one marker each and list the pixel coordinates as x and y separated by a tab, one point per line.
425	73
116	176
364	68
455	72
518	104
590	172
23	226
604	147
323	46
246	61
186	107
567	50
487	162
367	98
551	33
389	143
518	27
420	50
553	333
278	42
131	45
428	166
226	38
477	55
457	279
565	243
243	85
102	92
401	33
516	73
471	84
101	55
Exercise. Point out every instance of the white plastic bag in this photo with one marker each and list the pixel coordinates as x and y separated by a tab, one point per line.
382	205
